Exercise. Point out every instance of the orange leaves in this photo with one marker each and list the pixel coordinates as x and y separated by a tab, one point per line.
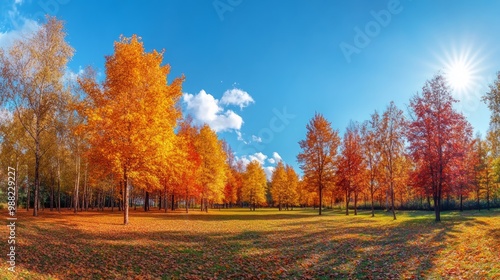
254	184
132	116
319	151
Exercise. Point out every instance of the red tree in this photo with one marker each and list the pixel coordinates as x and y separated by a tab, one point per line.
435	134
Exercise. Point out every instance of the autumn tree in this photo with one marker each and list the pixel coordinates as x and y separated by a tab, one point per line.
351	171
434	135
212	176
371	151
31	78
291	197
234	176
182	171
318	156
279	182
130	118
492	100
254	184
392	146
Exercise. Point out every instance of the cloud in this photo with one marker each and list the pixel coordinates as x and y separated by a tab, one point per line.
71	76
260	157
18	26
269	172
236	97
277	157
206	109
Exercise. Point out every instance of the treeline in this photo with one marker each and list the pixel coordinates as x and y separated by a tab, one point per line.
86	144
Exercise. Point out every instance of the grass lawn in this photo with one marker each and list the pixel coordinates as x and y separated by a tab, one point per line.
263	244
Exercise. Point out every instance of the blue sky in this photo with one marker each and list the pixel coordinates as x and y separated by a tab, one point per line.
257	71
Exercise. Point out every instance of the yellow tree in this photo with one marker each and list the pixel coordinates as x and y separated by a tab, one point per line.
291	189
279	182
254	184
132	115
186	163
31	78
318	156
234	181
212	177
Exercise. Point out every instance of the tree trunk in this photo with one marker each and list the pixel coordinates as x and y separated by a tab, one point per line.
320	198
461	203
146	201
478	200
173	201
52	196
437	206
37	171
126	195
355	203
488	198
58	186
28	194
373	208
347	202
77	183
392	201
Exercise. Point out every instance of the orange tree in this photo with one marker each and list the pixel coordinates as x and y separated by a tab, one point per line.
318	156
130	118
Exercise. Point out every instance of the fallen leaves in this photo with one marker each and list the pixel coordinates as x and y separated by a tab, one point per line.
255	245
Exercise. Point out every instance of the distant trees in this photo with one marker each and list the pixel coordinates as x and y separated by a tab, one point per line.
284	184
124	140
371	151
392	147
213	172
31	78
254	185
318	156
351	170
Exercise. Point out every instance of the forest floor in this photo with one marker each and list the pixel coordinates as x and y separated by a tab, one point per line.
239	244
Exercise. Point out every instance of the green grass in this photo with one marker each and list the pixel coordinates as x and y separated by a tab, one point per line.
267	243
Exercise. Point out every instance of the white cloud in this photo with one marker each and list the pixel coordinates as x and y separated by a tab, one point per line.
277	157
269	172
71	76
236	97
240	136
260	157
21	26
206	109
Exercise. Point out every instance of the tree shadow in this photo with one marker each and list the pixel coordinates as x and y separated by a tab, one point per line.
326	248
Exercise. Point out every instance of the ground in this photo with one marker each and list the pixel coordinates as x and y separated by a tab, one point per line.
267	243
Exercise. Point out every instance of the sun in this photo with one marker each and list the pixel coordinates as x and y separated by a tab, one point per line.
461	65
459	75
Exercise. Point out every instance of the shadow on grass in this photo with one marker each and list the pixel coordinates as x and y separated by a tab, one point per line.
325	248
